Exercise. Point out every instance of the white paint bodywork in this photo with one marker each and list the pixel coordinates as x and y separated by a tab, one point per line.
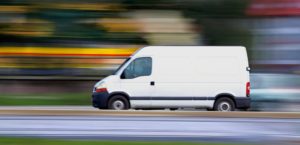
185	71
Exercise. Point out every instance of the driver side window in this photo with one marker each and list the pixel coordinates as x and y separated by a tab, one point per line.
139	67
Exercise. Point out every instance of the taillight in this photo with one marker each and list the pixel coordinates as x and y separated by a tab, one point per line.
248	89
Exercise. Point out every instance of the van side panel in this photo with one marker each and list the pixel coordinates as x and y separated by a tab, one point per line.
195	79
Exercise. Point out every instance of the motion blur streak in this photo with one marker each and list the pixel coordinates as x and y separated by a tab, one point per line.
46	51
275	8
153	128
52	52
47	61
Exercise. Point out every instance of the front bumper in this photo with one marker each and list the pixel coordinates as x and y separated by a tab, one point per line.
243	102
99	100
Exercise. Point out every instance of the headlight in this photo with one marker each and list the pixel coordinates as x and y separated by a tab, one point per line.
100	87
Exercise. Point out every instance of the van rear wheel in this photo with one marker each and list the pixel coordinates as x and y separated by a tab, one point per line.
224	104
118	102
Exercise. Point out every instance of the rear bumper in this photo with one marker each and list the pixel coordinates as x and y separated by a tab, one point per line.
242	102
99	100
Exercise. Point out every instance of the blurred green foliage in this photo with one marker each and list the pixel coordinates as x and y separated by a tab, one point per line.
63	20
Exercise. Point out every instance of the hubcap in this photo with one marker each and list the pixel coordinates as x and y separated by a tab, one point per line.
224	106
118	105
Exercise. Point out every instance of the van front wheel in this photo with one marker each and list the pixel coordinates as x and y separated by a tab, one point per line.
224	104
118	102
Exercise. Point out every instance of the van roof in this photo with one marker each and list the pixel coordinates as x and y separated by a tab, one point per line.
191	50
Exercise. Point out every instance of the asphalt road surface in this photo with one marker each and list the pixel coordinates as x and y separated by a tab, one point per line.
152	128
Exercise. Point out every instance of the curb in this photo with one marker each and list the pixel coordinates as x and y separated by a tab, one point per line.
77	112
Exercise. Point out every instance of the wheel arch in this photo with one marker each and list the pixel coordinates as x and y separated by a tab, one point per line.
119	93
225	95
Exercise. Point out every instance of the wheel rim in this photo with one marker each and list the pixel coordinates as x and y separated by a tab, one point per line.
118	105
224	106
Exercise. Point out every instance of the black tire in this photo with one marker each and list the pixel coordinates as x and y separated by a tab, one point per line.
224	104
118	102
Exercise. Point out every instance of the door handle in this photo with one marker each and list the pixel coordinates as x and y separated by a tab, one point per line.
152	83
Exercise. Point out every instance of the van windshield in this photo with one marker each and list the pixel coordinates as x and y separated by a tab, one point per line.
116	71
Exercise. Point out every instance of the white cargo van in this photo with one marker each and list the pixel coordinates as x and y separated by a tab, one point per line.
212	77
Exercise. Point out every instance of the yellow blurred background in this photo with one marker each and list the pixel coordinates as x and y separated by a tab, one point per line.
36	37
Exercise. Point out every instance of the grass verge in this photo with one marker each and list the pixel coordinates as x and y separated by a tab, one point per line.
46	99
39	141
